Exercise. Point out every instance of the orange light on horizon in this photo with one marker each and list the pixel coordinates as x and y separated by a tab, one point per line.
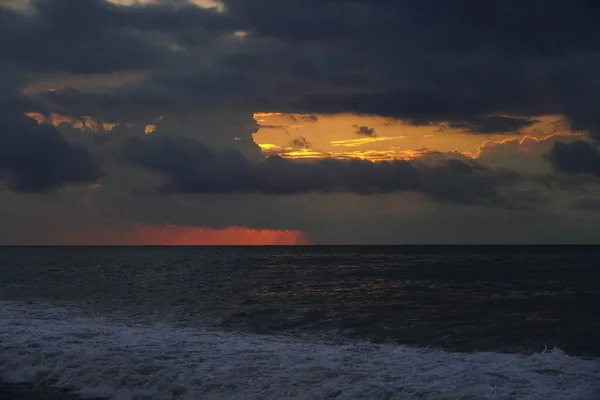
176	235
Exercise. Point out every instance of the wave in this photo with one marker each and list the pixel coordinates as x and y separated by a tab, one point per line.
93	358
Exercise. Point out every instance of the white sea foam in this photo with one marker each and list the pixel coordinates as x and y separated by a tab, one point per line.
96	358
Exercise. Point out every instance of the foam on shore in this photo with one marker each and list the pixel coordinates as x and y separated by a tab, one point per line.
94	358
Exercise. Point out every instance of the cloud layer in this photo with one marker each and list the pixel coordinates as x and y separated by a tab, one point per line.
578	157
37	158
193	168
197	75
469	63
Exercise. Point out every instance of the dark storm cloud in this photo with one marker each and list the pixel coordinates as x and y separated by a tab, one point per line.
108	107
37	158
75	37
364	131
577	157
493	124
463	62
96	36
193	168
422	61
401	59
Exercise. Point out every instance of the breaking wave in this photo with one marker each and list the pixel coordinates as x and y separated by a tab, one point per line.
95	358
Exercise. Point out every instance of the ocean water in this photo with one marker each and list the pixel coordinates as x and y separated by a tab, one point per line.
303	322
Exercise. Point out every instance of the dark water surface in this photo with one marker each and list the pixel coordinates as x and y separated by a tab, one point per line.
465	298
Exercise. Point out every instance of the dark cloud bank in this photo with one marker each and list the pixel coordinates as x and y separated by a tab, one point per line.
577	157
193	168
38	158
485	67
461	62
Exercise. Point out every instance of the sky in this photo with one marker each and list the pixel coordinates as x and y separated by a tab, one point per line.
180	122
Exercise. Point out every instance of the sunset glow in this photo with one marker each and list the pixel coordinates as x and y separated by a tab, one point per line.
418	175
174	235
82	123
373	138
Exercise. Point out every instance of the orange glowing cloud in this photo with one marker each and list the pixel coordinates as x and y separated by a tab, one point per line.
525	144
363	141
150	128
174	235
334	136
85	123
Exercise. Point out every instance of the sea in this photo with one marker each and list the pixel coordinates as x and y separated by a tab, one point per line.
304	322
